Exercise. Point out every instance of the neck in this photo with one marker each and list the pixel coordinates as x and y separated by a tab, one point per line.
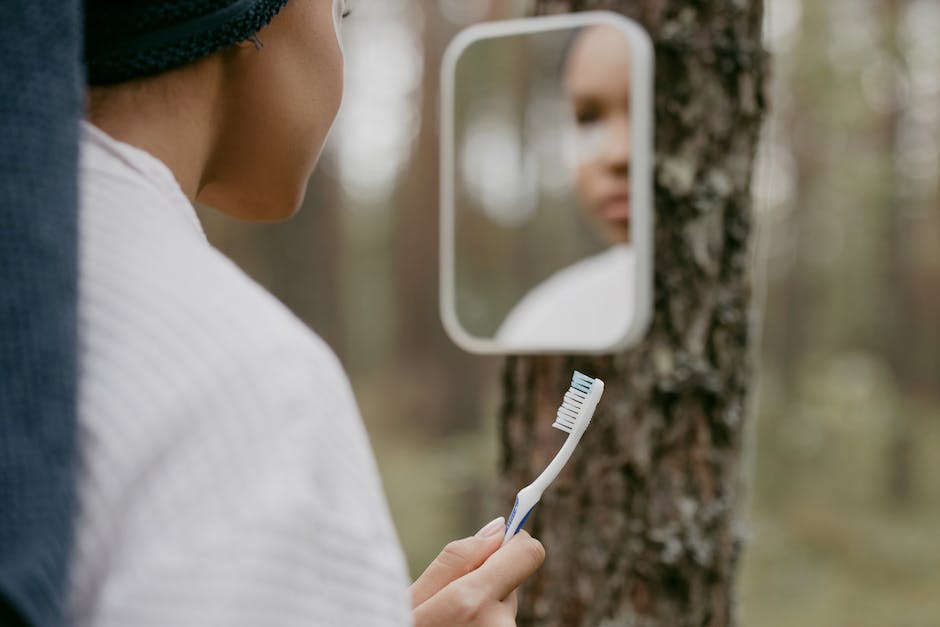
178	127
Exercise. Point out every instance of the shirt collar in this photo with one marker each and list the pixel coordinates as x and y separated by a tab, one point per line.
146	166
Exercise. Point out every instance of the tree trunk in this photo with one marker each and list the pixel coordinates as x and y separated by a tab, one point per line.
640	528
897	300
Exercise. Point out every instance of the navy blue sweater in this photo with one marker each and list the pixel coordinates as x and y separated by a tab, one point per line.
40	98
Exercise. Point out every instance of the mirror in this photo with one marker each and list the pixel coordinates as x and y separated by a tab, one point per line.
546	150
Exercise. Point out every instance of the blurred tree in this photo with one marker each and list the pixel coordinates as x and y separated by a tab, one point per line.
641	530
897	302
421	343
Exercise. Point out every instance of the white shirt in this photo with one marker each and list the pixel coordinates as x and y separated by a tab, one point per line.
586	305
226	478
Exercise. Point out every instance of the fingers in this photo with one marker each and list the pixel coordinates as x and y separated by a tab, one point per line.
485	596
507	568
463	605
458	558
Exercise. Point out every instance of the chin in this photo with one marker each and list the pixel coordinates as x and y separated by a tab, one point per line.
619	232
274	211
251	207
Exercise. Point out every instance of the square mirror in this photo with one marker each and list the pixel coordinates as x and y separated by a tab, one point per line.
546	161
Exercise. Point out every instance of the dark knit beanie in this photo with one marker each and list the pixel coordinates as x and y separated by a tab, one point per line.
127	39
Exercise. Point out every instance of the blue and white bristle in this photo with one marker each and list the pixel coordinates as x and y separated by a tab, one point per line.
574	400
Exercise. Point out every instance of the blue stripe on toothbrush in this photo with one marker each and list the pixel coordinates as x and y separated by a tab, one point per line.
524	518
513	514
581	382
512	517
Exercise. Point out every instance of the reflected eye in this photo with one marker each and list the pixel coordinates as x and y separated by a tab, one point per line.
346	8
587	115
587	110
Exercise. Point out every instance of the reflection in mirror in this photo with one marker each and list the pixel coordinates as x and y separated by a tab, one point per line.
544	254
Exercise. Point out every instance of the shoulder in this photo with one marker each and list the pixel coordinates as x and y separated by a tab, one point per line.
579	303
181	354
174	313
218	434
173	335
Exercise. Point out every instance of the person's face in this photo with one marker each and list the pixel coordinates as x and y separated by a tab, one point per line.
597	85
279	105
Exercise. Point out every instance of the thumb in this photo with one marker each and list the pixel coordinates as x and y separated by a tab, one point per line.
458	558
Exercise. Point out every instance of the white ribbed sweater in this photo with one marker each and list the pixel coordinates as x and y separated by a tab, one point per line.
226	478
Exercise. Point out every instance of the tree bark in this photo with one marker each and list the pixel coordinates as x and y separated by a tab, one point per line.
640	528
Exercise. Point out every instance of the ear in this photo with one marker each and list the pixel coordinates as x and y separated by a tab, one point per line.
252	41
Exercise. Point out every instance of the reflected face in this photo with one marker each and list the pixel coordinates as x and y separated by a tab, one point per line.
596	82
280	103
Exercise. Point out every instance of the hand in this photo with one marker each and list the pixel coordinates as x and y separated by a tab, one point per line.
472	584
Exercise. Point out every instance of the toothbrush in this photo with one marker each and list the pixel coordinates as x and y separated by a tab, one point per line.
574	415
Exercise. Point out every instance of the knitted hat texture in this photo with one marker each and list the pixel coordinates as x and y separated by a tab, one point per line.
127	39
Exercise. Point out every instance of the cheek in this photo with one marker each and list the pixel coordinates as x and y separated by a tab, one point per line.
338	22
590	142
334	55
316	90
589	179
324	79
336	83
314	56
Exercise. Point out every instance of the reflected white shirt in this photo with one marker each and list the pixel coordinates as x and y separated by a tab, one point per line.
585	305
225	474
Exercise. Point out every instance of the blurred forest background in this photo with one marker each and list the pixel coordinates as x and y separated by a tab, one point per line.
843	519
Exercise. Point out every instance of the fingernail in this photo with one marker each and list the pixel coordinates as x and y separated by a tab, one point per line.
492	528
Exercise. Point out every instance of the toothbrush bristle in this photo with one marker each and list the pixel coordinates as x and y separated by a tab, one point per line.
570	409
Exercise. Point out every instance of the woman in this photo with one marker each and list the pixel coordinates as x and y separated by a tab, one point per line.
596	81
226	476
587	304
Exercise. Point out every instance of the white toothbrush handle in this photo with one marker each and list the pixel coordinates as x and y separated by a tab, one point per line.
525	501
530	495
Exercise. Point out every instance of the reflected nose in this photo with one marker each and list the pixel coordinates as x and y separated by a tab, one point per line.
618	147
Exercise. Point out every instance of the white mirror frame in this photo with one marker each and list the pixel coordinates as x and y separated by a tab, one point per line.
641	167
